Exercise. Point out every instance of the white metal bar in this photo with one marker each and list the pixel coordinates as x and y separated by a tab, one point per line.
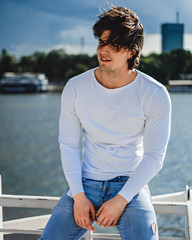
172	238
161	207
172	197
189	216
30	223
1	212
106	236
88	236
117	237
21	231
175	208
28	201
186	228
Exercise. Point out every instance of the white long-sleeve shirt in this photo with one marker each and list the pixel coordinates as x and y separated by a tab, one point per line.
125	131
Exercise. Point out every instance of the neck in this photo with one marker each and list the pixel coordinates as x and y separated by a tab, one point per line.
113	80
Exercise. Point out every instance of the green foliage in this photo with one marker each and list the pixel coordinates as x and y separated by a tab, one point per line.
60	66
166	66
7	63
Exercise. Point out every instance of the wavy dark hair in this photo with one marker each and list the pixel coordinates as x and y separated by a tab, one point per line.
126	31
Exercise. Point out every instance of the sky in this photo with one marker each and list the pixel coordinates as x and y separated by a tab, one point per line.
27	26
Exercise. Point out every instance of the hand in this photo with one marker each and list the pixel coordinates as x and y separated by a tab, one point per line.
82	207
110	212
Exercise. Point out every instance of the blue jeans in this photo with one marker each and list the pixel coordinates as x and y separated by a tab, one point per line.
138	221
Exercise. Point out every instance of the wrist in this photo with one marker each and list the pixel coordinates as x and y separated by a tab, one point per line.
79	196
122	199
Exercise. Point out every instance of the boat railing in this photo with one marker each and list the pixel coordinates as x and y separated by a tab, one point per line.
179	203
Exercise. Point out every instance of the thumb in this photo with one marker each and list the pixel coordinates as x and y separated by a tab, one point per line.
99	211
93	213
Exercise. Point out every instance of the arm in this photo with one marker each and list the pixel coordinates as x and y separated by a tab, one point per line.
155	140
69	139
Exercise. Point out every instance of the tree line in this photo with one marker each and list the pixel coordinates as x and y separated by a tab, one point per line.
59	66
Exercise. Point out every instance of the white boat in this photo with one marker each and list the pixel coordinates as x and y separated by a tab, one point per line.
179	203
26	82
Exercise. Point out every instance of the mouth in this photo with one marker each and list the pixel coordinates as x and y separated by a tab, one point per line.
104	59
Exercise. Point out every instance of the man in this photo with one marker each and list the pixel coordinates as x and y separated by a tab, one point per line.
125	119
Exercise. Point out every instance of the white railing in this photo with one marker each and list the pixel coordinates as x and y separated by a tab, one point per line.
179	203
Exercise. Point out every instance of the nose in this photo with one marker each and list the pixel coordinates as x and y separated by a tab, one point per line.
104	49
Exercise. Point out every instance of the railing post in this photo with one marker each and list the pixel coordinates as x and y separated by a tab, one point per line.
189	215
188	218
1	213
88	235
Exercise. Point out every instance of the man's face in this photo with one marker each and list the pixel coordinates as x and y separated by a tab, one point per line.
109	58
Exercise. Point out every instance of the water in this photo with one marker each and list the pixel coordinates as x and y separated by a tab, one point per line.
30	157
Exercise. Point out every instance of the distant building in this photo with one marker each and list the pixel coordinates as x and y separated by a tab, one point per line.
172	36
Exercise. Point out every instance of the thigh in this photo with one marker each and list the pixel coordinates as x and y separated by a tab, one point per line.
61	224
139	220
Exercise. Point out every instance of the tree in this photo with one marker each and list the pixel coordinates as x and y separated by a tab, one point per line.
7	63
178	61
27	64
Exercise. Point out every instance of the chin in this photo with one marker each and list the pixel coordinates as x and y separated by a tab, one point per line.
103	67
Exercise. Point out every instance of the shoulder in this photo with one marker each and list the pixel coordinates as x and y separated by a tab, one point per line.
149	82
81	79
150	86
153	92
77	84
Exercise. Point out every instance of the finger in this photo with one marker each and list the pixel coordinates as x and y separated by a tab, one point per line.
89	225
104	222
82	224
77	222
100	220
100	210
108	224
114	223
93	213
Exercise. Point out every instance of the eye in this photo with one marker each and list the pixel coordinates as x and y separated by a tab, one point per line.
101	42
114	46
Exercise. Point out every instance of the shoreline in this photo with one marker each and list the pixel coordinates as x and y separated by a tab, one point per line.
54	88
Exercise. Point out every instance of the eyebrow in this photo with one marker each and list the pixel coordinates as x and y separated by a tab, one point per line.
103	41
100	40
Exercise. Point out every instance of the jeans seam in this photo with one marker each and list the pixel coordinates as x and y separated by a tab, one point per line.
102	194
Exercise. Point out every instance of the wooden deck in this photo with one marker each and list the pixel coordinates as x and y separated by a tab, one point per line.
179	203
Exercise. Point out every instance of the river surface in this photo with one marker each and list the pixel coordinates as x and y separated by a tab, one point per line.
30	158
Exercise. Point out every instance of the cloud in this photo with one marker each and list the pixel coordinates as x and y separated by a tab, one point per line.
73	35
152	13
28	49
79	9
77	49
152	43
46	23
188	41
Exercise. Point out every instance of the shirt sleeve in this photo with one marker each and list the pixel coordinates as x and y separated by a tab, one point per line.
155	140
69	140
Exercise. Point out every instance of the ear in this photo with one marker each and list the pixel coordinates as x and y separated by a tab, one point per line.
132	53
